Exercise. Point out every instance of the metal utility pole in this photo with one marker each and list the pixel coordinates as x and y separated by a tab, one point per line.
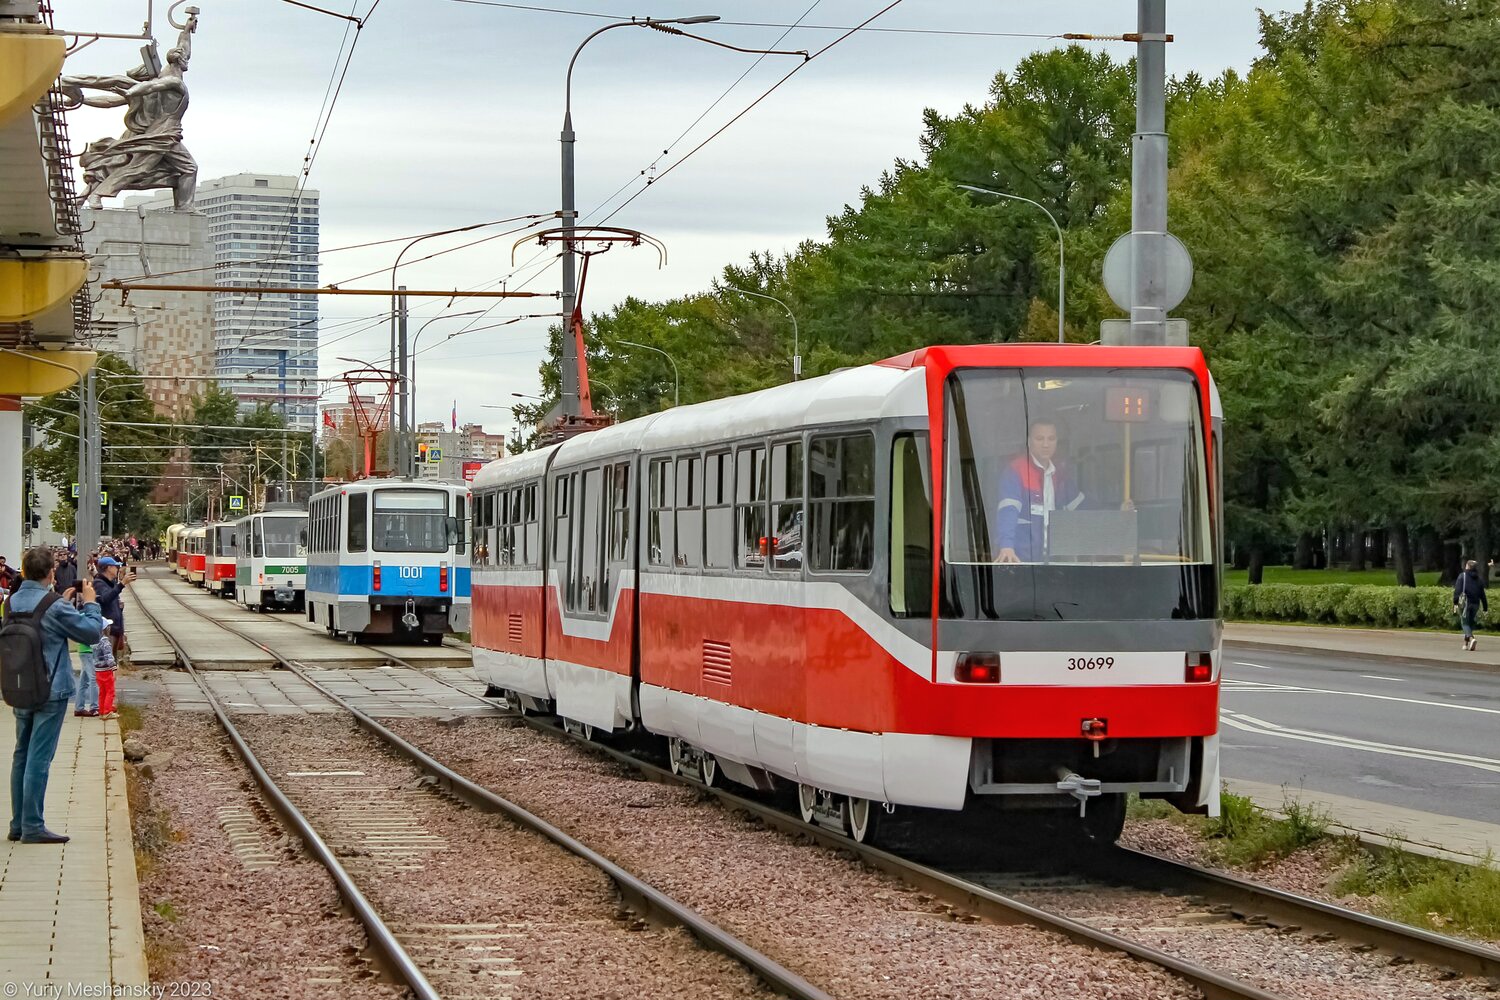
391	423
90	437
403	364
1148	178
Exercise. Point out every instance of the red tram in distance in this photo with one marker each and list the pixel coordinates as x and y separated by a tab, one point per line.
962	574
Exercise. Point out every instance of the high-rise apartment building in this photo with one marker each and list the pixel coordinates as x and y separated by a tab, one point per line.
266	345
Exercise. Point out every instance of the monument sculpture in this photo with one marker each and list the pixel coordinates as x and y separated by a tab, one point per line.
150	154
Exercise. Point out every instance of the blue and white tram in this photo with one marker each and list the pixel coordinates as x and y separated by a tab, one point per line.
389	557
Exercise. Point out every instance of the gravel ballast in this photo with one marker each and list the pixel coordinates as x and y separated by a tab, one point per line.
857	934
273	930
496	910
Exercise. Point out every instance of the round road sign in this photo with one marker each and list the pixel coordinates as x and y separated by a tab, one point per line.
1177	277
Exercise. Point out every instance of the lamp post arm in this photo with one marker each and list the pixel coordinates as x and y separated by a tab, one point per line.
676	379
1062	265
796	336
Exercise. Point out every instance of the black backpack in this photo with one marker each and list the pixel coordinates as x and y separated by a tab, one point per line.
24	679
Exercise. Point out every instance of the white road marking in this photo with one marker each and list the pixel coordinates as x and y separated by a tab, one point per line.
1255	687
1378	677
1250	724
1257	666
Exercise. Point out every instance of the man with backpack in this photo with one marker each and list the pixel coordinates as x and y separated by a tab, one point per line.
1468	600
36	679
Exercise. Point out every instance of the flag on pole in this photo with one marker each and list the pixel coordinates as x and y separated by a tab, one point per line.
328	420
455	414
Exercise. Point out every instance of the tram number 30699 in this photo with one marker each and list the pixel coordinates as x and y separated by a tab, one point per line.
1091	662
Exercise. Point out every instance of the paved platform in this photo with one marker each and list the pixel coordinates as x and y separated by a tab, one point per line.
1413	646
384	692
215	648
72	913
1450	837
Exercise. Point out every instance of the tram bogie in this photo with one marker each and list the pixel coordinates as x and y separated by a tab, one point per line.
389	558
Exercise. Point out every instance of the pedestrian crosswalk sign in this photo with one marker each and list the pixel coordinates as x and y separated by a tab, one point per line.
75	491
236	503
434	455
104	498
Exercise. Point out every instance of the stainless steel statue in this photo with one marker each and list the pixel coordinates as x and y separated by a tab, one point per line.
150	154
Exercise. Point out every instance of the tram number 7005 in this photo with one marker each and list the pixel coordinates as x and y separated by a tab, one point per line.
1091	662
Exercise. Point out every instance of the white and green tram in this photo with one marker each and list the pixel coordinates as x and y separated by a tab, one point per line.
271	565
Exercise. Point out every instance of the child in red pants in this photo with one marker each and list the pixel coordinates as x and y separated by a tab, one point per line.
104	673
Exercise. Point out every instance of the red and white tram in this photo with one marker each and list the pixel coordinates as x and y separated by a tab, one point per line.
963	572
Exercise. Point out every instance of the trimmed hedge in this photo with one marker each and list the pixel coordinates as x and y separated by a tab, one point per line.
1342	604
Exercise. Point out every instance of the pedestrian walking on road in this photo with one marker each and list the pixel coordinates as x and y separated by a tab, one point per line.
37	728
1468	600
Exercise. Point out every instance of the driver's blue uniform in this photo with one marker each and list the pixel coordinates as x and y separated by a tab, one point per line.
1022	520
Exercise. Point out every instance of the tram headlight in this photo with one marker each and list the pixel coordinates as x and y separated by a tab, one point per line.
978	668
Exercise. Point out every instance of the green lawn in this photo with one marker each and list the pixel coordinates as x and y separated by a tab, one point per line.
1285	574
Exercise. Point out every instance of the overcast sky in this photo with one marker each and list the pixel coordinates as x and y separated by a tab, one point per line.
451	110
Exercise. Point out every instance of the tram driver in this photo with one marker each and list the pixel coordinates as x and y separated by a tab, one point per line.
1032	486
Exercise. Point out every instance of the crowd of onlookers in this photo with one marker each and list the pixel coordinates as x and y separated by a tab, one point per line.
67	604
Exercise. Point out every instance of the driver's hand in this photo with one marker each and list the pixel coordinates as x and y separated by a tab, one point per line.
1007	556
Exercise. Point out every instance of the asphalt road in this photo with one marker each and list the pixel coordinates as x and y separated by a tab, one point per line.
1414	736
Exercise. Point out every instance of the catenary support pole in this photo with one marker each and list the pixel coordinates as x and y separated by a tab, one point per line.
1148	178
407	443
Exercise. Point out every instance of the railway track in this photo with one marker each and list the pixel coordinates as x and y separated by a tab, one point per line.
1233	899
412	952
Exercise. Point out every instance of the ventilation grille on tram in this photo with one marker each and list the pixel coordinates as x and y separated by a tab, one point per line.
515	628
716	661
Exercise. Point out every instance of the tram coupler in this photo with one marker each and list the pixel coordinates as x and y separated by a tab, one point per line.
410	619
1079	787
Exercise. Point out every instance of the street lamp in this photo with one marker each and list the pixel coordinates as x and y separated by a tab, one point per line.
1062	266
796	337
412	381
568	402
676	381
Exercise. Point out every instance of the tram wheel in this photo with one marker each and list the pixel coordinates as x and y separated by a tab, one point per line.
708	771
674	754
862	817
807	802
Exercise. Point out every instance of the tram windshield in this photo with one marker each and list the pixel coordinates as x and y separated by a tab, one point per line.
285	537
411	521
224	537
1076	495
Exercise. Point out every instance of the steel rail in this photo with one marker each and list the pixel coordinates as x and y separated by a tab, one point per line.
1150	870
1140	868
395	957
644	895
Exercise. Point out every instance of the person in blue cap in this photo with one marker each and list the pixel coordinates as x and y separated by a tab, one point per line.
110	585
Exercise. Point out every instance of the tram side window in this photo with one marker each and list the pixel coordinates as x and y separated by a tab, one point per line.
533	532
458	526
911	527
561	520
841	501
358	519
659	514
688	544
618	478
718	511
750	508
786	505
584	569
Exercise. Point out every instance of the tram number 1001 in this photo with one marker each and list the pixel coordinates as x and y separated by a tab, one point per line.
1091	662
409	572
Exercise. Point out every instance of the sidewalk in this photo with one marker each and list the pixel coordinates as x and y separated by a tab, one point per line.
1431	648
71	914
1468	841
